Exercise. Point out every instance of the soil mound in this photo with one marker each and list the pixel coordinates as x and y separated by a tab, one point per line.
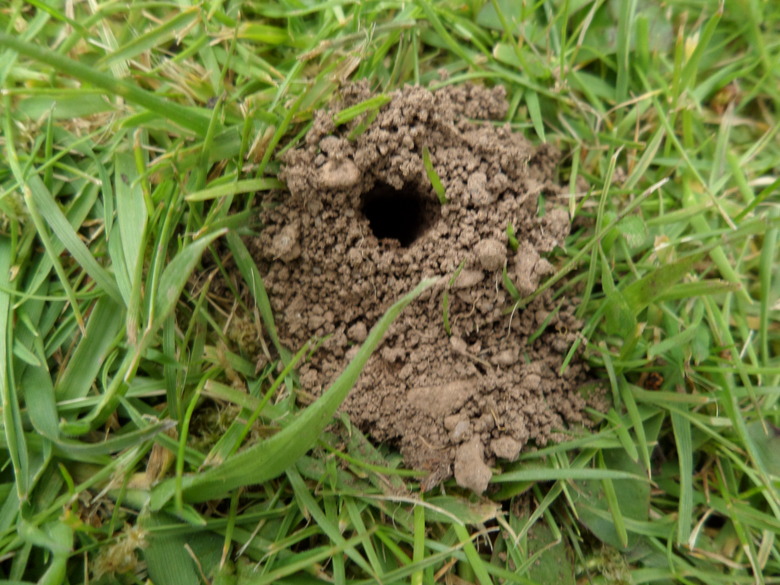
460	380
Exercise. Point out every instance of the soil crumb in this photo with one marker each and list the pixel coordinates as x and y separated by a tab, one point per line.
460	380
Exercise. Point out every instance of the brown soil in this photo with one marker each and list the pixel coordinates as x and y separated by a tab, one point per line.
362	225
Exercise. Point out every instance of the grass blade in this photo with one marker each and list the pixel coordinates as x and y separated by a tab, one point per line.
475	561
682	435
130	210
248	268
433	176
175	276
39	399
12	420
625	34
102	328
234	188
152	38
370	105
564	474
115	444
535	111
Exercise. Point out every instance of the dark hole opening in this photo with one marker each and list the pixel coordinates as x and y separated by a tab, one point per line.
715	521
398	214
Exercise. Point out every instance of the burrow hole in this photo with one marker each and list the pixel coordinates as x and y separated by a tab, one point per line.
399	214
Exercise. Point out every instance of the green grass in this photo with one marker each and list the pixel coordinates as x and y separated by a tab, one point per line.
136	143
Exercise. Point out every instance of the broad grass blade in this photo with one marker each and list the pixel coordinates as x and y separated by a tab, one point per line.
130	210
82	369
270	458
175	276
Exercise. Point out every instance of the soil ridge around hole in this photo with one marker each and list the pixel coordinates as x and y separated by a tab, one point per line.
460	381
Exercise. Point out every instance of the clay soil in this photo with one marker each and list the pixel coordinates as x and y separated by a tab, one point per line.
362	225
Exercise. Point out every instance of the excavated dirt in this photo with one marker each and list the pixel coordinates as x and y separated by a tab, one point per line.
362	225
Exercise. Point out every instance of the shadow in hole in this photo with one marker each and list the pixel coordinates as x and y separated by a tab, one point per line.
398	214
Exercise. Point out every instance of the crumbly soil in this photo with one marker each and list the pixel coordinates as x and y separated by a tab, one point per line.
362	225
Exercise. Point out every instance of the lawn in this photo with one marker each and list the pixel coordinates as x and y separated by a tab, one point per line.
140	440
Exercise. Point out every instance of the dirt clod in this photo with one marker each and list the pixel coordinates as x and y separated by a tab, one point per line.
490	254
460	379
470	469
